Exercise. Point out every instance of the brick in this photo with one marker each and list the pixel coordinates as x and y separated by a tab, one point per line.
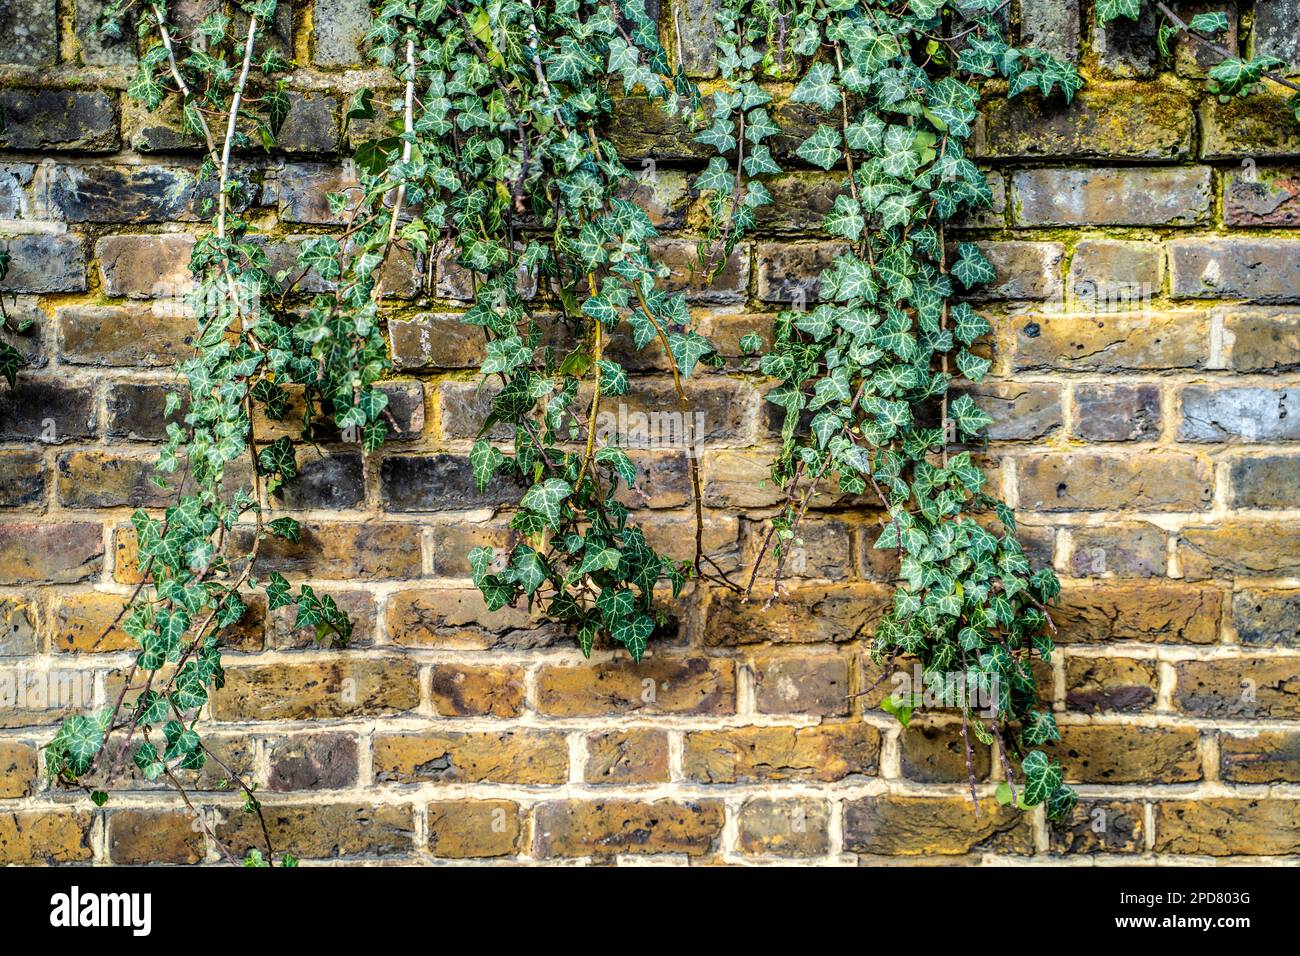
1227	826
146	267
348	551
1246	413
1085	482
1262	340
85	623
93	479
1274	33
1270	756
521	755
937	754
799	199
627	757
1267	616
643	130
49	119
303	188
97	49
338	31
804	616
45	836
311	126
29	33
346	687
790	273
39	698
17	769
1025	270
1233	548
323	831
826	753
1250	687
457	618
933	826
359	606
1193	59
17	634
461	690
802	685
1261	128
114	193
1122	684
15	190
474	829
1169	196
45	263
823	549
50	552
22	479
432	341
132	336
1113	342
1118	550
606	827
331	482
1100	826
1114	753
1109	275
787	828
659	685
437	483
1105	120
664	195
45	412
1106	413
681	256
137	837
1262	197
1020	412
326	761
1264	270
1268	482
1128	49
1149	613
135	411
1052	26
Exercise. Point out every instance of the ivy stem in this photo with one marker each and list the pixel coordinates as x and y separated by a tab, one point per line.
1223	51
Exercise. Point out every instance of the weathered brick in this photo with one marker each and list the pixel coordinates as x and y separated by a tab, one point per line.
48	119
1248	687
790	273
1085	482
1025	270
146	267
730	285
1267	616
338	30
522	755
1262	197
325	482
22	478
1117	412
798	199
370	551
1267	482
325	761
1119	550
787	828
303	188
1120	684
44	264
933	826
1274	32
97	48
474	829
1127	48
1170	196
605	827
1113	753
323	831
432	341
17	632
50	552
1270	756
154	836
1246	413
1262	340
41	698
437	483
46	412
135	411
936	753
643	130
1100	826
17	769
282	630
1052	26
823	549
627	757
1112	342
1020	412
45	836
457	618
658	685
94	479
1224	826
311	126
1240	547
1263	270
802	684
461	690
1108	121
1110	275
29	32
1150	613
347	687
1257	127
825	753
114	193
134	336
804	616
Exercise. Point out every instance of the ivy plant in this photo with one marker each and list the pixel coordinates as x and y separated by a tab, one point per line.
11	360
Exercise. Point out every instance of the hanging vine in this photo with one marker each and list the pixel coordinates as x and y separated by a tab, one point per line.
864	376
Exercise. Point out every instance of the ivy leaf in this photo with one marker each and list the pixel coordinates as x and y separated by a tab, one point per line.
823	148
617	459
547	499
845	219
1041	777
688	348
971	268
485	460
633	633
818	88
1039	729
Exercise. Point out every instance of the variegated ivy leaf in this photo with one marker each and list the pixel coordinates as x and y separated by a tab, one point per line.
818	88
823	148
547	499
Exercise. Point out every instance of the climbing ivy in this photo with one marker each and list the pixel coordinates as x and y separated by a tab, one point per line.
865	375
11	360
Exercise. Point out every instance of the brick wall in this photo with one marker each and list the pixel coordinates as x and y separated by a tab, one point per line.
1146	347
